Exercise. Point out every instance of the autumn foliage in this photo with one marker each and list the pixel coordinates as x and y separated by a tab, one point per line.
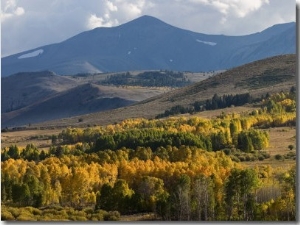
178	168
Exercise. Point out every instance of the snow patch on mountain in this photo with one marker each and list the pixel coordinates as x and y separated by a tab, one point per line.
207	42
31	54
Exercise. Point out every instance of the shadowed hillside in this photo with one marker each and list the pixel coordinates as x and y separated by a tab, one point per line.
83	99
23	89
260	77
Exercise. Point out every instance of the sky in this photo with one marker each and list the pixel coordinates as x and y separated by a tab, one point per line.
28	24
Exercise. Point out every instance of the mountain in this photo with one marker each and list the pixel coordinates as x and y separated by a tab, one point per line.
258	78
147	43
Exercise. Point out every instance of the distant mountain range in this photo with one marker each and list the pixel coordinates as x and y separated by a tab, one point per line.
147	43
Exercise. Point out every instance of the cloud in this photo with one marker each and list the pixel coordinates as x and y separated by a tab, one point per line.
111	7
232	8
114	11
10	10
243	8
95	21
107	8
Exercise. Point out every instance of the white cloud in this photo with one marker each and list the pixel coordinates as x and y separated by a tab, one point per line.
10	10
111	6
19	11
239	7
132	9
243	8
222	7
95	21
232	8
105	20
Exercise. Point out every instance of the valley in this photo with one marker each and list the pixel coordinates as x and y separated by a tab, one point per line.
140	120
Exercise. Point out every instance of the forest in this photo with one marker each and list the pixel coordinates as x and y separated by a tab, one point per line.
178	168
163	78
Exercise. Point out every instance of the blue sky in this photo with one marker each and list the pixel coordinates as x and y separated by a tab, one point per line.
27	24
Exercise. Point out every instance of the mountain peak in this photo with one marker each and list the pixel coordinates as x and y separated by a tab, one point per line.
146	20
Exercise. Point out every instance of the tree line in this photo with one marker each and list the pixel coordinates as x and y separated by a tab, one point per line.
149	79
277	102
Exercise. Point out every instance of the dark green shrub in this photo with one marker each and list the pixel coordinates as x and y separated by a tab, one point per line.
242	158
261	158
247	158
279	157
266	155
227	151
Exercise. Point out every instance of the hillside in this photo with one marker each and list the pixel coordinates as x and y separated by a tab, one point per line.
147	43
23	89
41	96
270	75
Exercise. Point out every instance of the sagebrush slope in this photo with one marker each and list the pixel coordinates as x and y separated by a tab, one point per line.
270	75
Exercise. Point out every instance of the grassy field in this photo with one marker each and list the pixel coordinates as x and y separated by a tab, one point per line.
40	138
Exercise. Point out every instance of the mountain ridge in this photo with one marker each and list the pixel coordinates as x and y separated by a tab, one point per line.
148	43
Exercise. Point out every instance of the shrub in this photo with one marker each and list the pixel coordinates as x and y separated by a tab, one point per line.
290	155
242	158
51	217
227	151
279	157
78	218
112	216
266	155
261	158
15	212
99	215
248	158
33	210
6	215
26	215
235	159
88	210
